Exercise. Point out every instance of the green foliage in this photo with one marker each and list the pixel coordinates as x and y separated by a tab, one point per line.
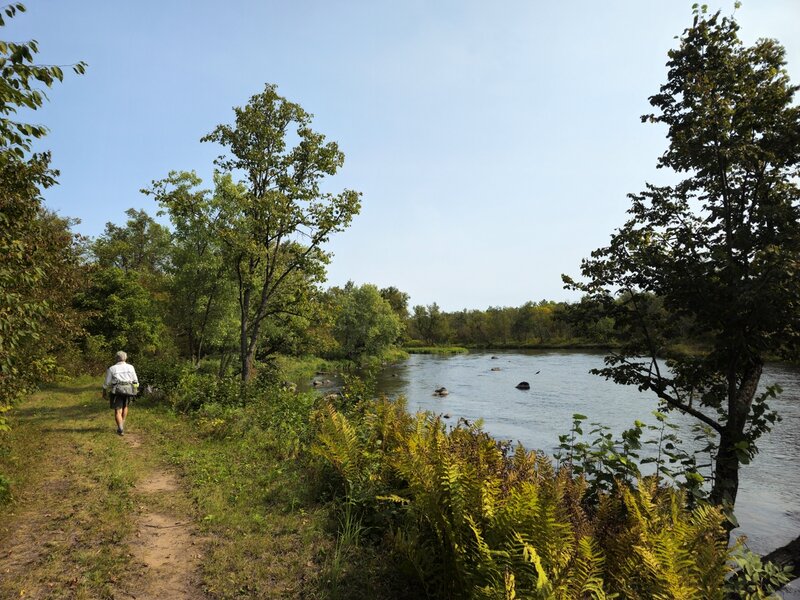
275	222
365	323
719	252
19	78
201	289
430	324
195	389
34	245
162	374
754	578
5	490
472	519
123	313
541	324
414	349
142	245
398	300
605	462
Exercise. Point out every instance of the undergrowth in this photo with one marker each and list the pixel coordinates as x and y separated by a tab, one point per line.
470	517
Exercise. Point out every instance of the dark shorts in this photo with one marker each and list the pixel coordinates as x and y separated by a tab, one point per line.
118	402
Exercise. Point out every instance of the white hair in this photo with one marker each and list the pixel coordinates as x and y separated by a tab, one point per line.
121	356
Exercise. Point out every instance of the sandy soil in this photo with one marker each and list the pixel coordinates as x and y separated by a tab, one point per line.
165	543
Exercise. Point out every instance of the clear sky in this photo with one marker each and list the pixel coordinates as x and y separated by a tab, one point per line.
494	142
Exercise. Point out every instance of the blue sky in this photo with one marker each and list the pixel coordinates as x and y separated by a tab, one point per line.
494	142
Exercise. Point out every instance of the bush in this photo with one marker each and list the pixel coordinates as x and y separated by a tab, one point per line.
160	373
5	490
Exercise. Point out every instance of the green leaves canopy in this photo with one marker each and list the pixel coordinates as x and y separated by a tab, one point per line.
276	221
35	247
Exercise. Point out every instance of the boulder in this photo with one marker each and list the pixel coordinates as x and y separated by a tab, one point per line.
523	385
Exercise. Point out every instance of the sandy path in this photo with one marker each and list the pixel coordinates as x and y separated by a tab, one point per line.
165	543
59	530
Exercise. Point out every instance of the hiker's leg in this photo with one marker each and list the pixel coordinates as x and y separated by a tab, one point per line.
124	412
119	418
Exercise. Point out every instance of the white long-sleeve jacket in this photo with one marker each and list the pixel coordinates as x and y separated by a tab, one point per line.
121	372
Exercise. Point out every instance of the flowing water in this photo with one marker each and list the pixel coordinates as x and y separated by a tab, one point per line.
768	505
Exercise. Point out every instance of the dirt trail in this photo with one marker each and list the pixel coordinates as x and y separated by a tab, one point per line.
95	514
165	543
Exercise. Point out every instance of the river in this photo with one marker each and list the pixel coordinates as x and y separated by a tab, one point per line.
768	505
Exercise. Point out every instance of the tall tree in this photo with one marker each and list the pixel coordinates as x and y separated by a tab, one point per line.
721	248
430	323
201	286
141	245
29	242
366	323
122	313
278	218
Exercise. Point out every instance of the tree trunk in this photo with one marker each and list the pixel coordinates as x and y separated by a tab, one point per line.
726	477
245	357
726	474
224	363
251	343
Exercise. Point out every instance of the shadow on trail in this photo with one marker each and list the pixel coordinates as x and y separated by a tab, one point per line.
94	429
55	413
71	389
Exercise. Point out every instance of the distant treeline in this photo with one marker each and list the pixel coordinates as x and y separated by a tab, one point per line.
533	324
537	325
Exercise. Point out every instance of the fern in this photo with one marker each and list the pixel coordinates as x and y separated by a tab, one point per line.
473	520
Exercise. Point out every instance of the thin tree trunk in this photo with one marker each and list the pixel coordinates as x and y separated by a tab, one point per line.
726	477
243	353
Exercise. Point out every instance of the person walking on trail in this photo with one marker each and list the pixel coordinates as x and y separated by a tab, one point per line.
121	385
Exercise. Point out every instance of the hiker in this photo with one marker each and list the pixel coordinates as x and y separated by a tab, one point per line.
121	385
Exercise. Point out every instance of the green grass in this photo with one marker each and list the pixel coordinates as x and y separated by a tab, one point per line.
71	482
246	484
267	537
437	350
303	368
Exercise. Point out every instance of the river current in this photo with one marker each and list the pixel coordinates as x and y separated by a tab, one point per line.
482	387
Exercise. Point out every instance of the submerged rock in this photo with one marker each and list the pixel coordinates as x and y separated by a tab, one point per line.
523	385
442	391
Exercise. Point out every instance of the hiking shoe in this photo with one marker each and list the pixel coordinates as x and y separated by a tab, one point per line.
119	431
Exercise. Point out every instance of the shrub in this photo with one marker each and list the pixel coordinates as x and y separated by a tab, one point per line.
5	490
160	373
755	579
